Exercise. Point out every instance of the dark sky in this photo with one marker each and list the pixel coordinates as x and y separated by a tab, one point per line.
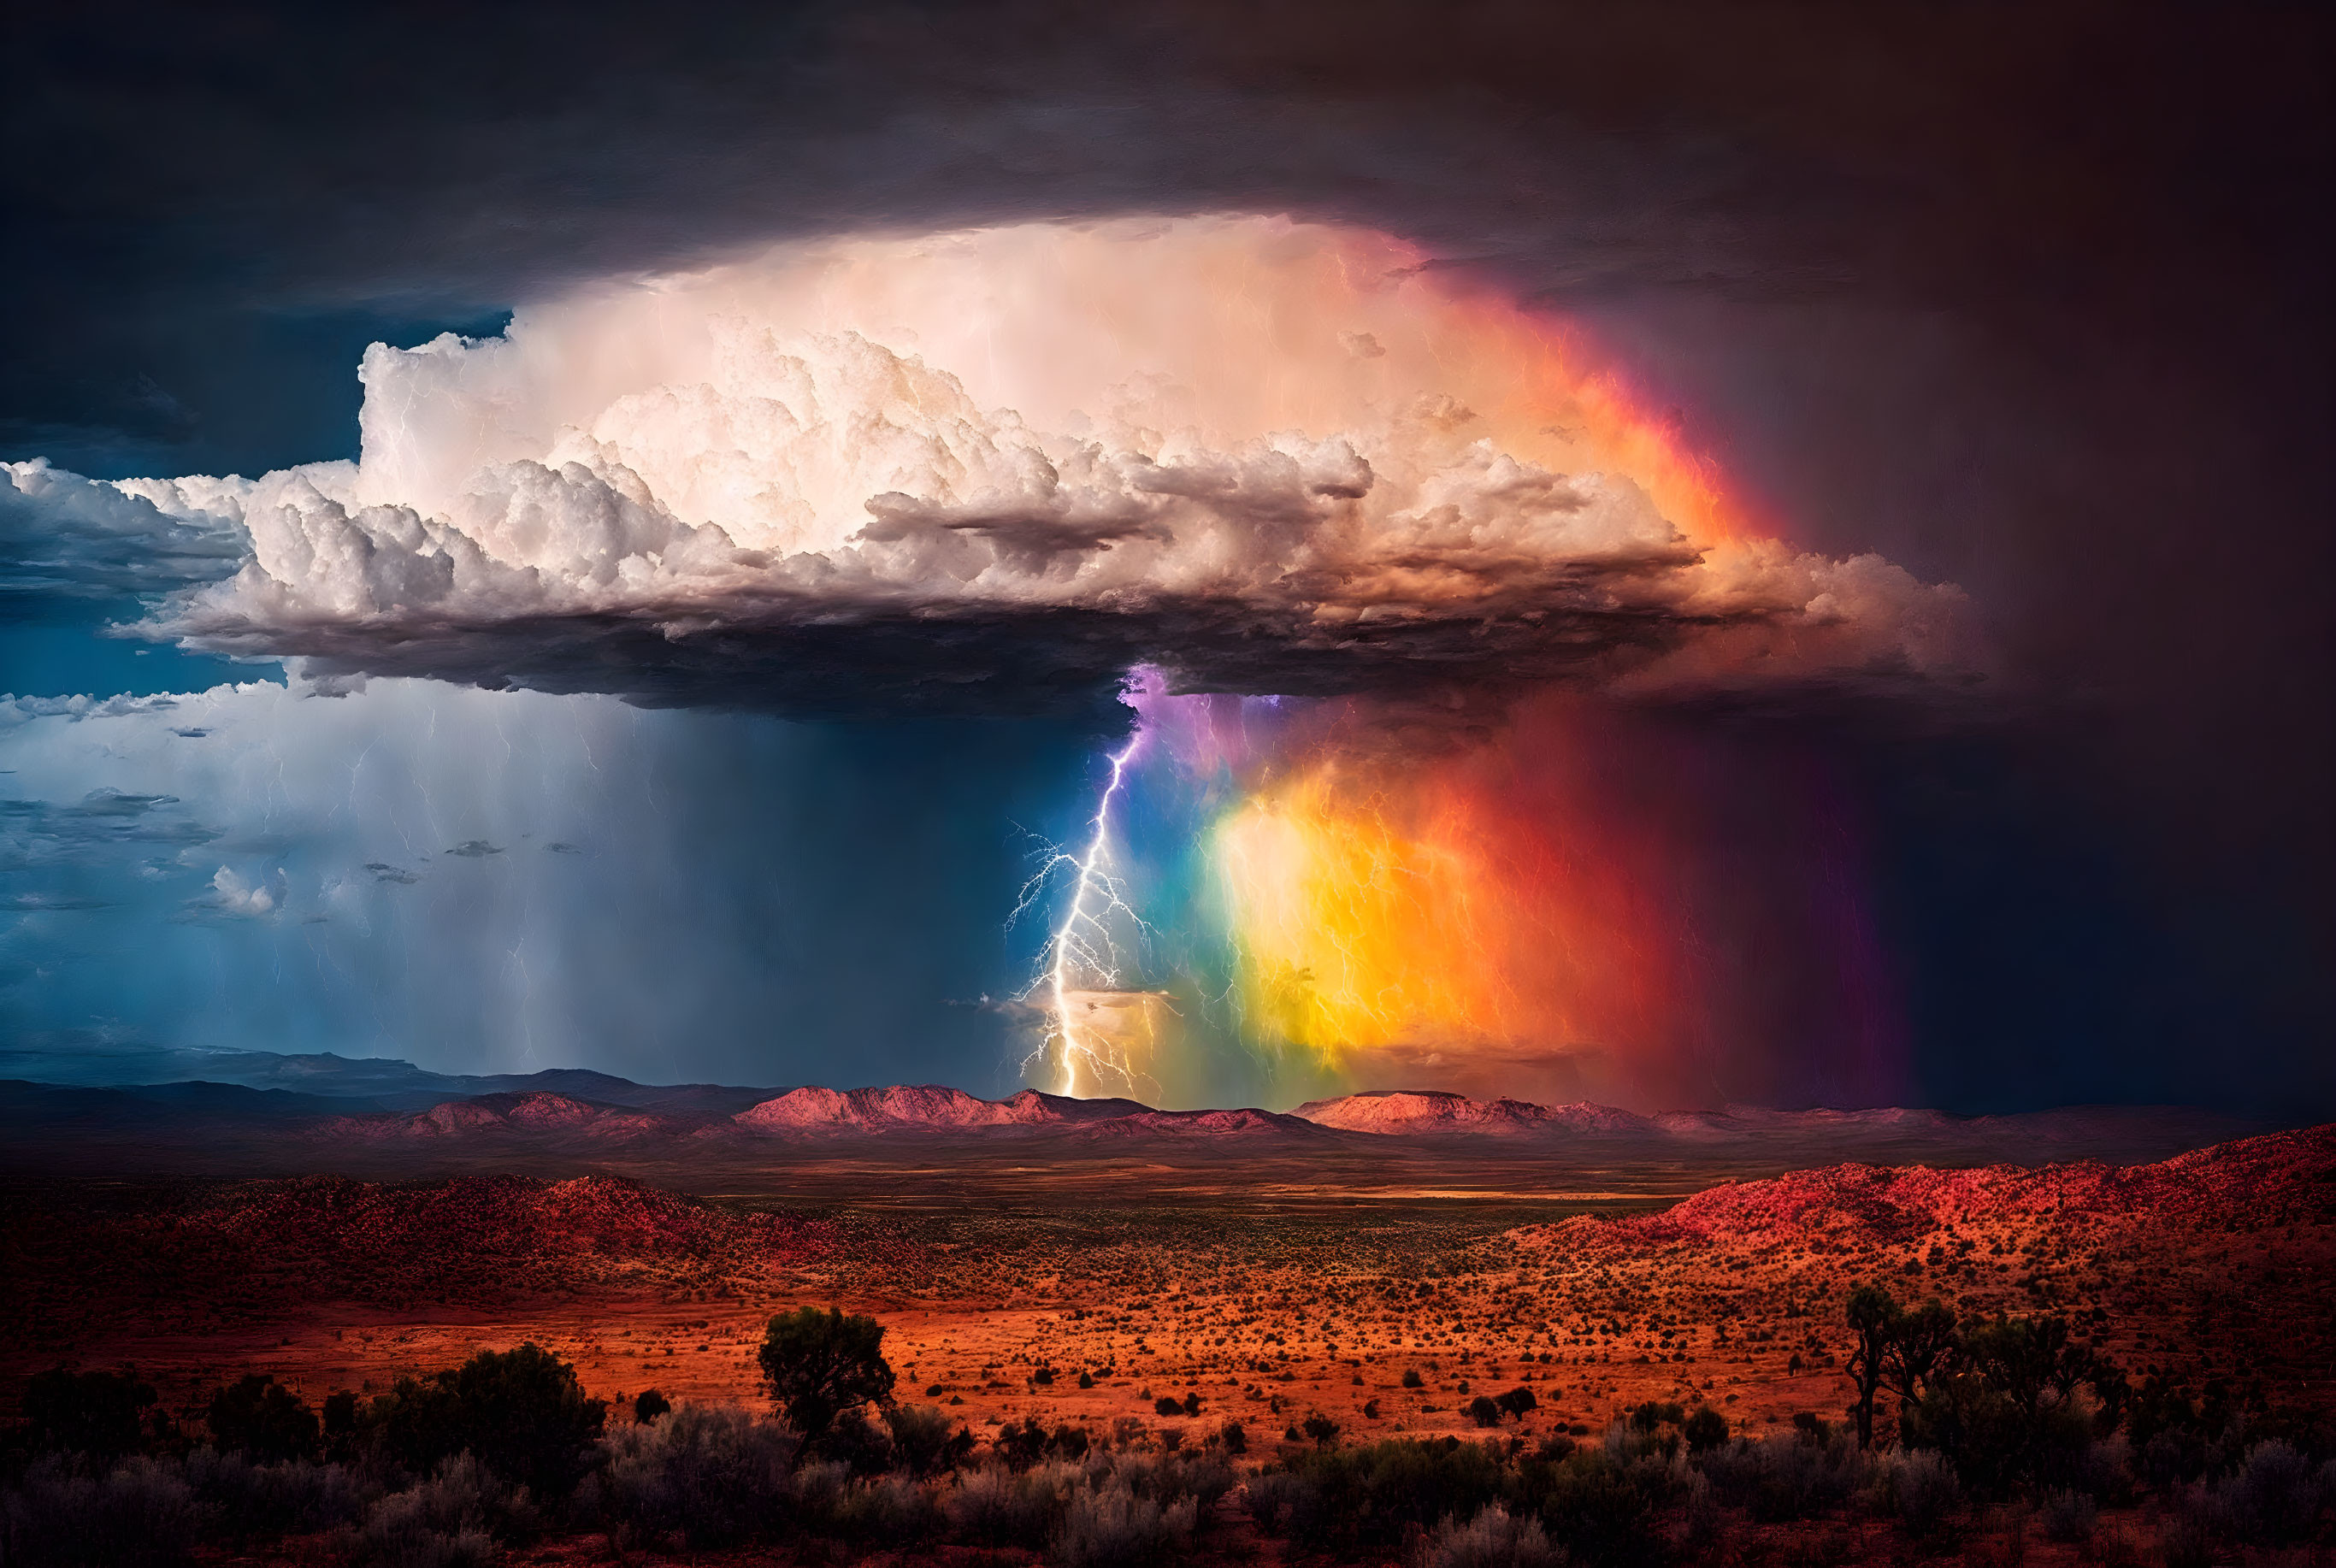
2027	298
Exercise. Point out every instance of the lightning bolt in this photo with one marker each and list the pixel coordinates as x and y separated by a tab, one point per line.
1081	953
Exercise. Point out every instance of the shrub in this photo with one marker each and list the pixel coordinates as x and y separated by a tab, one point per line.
999	1507
1173	1477
243	1501
1111	1527
1277	1496
922	1441
2068	1516
1234	1437
1604	1513
1370	1497
1483	1412
711	1475
1519	1401
1320	1428
1705	1430
261	1418
1164	1405
1491	1539
2270	1499
450	1520
521	1412
1784	1478
893	1511
1411	1379
857	1444
141	1515
1921	1490
100	1414
818	1364
649	1405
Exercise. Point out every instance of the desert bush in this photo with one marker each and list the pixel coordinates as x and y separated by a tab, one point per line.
711	1475
2271	1500
1784	1478
521	1413
100	1414
818	1364
923	1444
1705	1430
1370	1497
138	1514
1274	1497
1604	1515
860	1446
1483	1411
1411	1379
1173	1477
258	1417
890	1511
2173	1458
2068	1515
1234	1437
1920	1489
1490	1540
996	1506
1112	1527
242	1501
649	1405
452	1520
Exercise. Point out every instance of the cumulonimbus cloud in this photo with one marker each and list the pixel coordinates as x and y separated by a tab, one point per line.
994	471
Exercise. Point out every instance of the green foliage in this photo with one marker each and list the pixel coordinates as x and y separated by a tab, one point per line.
100	1414
817	1365
262	1419
521	1412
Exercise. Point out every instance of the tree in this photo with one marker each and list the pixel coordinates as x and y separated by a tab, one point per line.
262	1419
521	1413
1920	1349
817	1365
100	1414
1873	1318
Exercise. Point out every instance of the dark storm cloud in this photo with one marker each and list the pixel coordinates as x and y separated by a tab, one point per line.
2029	299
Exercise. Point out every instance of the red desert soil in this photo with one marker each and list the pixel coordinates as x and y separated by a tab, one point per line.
2214	1263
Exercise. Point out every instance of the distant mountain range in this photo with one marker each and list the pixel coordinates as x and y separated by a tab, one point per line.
280	1111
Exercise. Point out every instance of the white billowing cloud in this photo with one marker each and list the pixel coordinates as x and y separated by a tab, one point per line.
232	895
63	535
1161	443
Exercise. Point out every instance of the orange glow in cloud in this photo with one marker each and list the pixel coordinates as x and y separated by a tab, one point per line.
1385	912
